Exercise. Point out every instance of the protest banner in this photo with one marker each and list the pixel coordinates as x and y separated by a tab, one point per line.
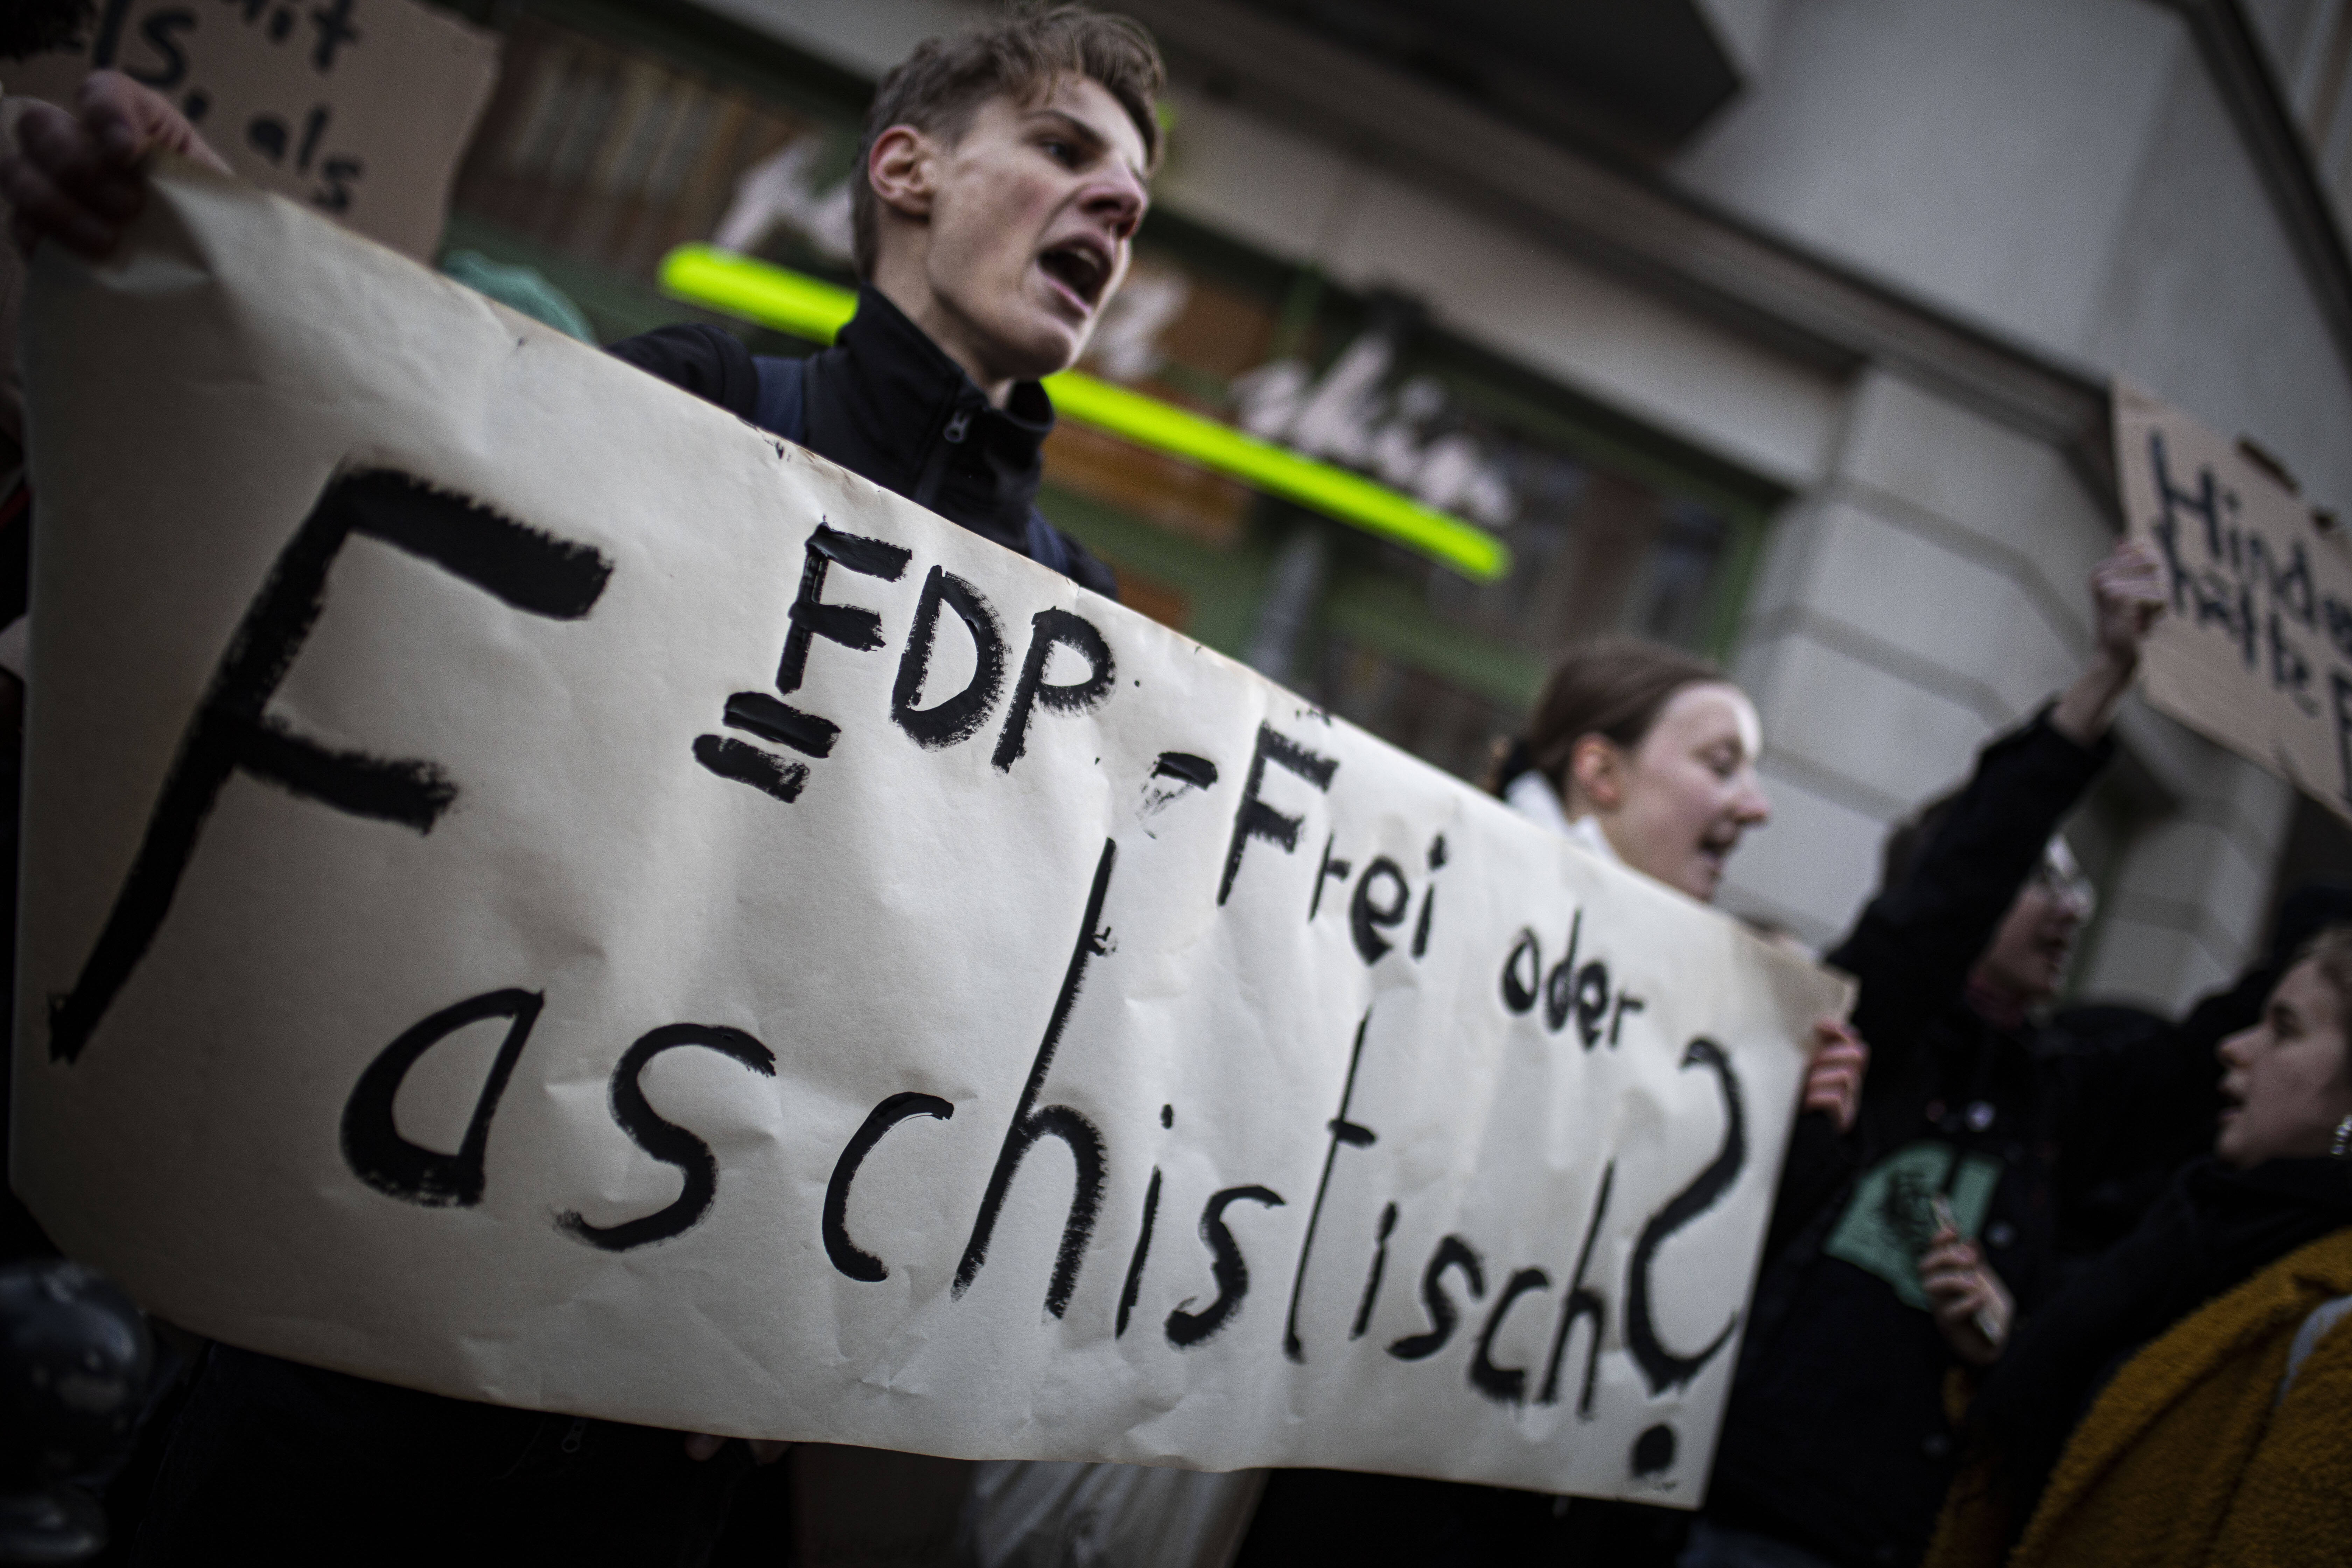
2255	651
544	893
360	108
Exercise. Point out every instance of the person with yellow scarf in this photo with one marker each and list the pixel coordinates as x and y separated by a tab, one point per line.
2183	1402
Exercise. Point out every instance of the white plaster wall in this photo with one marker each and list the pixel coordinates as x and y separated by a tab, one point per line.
1929	593
1746	29
1926	596
2295	34
1307	202
2300	37
2187	906
2205	304
1979	151
2063	171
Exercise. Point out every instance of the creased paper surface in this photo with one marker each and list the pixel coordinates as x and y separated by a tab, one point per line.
539	891
2255	650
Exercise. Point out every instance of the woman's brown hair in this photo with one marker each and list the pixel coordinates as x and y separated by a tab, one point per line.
1614	688
2332	951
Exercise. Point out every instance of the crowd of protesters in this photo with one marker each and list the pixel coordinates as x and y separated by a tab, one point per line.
2041	1284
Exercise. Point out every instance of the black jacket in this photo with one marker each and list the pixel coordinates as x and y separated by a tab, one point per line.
1841	1433
888	403
1839	1437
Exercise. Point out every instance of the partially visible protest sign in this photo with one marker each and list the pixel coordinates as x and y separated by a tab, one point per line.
544	893
2255	651
358	108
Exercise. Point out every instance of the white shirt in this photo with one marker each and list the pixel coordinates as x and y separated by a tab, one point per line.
1532	795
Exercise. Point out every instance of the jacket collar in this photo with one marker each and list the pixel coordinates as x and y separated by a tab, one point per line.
889	403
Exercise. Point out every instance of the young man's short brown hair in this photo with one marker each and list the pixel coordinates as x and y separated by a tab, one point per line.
939	88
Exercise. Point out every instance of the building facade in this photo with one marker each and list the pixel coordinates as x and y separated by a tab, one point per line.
1777	329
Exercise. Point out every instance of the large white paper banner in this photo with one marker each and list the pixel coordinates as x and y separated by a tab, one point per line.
538	890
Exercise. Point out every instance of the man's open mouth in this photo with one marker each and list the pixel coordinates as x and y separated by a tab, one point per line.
1079	266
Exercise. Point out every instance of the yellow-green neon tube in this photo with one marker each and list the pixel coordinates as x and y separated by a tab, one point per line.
806	308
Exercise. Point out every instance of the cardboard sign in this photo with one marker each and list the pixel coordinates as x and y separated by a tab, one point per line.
359	109
2255	651
541	891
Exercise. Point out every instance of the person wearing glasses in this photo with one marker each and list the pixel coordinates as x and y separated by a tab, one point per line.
2000	1145
1894	1274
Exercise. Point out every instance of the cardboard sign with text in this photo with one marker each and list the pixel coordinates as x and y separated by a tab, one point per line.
2255	647
360	108
541	891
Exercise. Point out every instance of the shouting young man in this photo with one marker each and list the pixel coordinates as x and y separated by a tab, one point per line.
1005	172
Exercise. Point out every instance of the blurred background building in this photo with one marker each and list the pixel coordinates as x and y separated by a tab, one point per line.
1776	329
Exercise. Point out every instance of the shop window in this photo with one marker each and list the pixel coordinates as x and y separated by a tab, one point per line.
1425	714
610	155
1163	601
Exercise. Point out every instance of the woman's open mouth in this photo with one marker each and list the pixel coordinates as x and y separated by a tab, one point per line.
1716	848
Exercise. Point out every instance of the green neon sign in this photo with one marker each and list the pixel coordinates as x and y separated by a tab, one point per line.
807	308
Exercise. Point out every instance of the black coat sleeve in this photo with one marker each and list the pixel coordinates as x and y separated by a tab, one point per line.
699	359
1819	1161
1913	948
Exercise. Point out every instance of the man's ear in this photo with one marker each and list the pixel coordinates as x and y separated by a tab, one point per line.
903	168
1596	773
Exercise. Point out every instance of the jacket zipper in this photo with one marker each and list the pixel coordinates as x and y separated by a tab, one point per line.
935	466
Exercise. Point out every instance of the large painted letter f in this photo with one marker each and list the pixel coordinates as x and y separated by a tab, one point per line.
232	729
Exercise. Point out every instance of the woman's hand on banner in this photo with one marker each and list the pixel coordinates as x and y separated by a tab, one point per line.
1833	1081
1970	1304
78	177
